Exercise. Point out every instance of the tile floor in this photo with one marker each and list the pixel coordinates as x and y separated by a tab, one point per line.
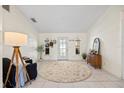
98	79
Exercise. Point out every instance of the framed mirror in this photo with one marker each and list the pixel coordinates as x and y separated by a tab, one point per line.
96	45
77	47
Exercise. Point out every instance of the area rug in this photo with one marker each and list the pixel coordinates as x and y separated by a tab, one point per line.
64	71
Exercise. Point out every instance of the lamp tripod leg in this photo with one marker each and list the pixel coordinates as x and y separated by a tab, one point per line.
11	62
24	66
17	67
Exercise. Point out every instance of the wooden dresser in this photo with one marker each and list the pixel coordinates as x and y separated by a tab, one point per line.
95	60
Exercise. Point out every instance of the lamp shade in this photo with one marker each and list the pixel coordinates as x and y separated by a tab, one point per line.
15	39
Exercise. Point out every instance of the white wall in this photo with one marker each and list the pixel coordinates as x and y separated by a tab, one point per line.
15	21
0	46
71	45
107	28
122	30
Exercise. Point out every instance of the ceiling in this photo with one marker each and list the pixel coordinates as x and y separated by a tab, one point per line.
63	18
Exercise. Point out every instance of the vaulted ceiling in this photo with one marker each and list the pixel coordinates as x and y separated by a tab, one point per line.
63	18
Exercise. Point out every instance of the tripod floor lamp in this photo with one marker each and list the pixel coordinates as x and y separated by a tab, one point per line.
16	40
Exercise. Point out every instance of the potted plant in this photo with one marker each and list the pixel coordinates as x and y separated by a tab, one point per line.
84	56
40	50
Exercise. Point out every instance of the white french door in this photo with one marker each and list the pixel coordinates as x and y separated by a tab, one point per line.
62	48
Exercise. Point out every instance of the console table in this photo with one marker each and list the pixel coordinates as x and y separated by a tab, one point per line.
94	60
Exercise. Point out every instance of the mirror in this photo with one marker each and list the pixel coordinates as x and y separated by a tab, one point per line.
96	45
77	47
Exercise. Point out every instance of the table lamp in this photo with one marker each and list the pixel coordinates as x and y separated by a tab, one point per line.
16	40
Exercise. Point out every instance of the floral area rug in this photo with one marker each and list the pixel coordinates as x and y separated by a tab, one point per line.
64	71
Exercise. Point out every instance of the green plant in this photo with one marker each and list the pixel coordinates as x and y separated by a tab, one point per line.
40	50
84	56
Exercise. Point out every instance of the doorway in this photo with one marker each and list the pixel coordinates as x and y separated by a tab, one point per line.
62	48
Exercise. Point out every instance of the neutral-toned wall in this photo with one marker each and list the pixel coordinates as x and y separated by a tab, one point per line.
71	45
122	31
0	46
15	21
107	28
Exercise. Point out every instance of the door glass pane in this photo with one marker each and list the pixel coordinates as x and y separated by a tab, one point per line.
64	45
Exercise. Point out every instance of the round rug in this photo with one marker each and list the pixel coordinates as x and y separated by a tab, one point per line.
64	71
